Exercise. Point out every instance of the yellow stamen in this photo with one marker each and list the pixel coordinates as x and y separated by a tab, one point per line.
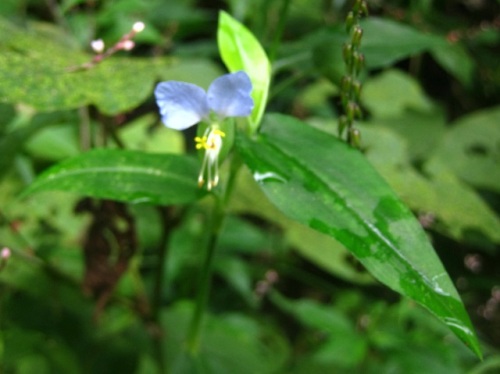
201	142
219	132
211	142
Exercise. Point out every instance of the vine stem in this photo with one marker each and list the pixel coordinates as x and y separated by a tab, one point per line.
205	281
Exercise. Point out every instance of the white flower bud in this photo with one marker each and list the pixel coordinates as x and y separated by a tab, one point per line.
97	45
127	45
138	26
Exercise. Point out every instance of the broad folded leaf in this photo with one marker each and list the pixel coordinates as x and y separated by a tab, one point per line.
320	181
129	176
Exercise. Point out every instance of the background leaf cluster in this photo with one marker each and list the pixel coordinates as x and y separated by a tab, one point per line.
430	95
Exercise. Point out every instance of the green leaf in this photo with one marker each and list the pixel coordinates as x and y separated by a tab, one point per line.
240	50
459	211
334	258
393	92
454	58
230	344
42	72
463	211
471	148
319	181
386	42
13	142
128	176
142	135
54	143
332	323
422	131
197	71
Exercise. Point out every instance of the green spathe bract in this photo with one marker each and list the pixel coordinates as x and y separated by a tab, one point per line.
319	181
240	50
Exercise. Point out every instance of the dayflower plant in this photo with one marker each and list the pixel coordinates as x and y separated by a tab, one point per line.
183	105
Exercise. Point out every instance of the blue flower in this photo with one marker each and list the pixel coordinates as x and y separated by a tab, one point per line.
183	105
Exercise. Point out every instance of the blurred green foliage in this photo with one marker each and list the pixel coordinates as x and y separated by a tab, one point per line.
430	97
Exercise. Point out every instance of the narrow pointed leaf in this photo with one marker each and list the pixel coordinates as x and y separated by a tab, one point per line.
319	181
128	176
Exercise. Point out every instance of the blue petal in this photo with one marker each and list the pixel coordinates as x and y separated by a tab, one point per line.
181	104
229	95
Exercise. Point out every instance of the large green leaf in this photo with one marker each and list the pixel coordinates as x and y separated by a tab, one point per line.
240	50
40	70
318	180
249	199
230	343
471	148
128	176
392	93
458	209
13	142
385	41
455	59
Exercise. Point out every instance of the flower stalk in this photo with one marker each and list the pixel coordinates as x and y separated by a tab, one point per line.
350	87
183	105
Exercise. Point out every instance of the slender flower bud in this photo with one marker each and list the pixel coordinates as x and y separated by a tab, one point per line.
357	34
355	137
346	83
351	111
349	21
358	61
356	7
364	9
343	122
347	54
356	88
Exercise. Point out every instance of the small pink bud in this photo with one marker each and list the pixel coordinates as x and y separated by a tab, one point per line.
97	45
138	26
5	253
127	45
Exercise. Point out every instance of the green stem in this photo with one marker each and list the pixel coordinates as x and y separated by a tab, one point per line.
85	128
156	300
193	342
205	281
280	29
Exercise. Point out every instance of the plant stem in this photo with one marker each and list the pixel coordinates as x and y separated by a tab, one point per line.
280	29
205	281
85	128
168	222
157	297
